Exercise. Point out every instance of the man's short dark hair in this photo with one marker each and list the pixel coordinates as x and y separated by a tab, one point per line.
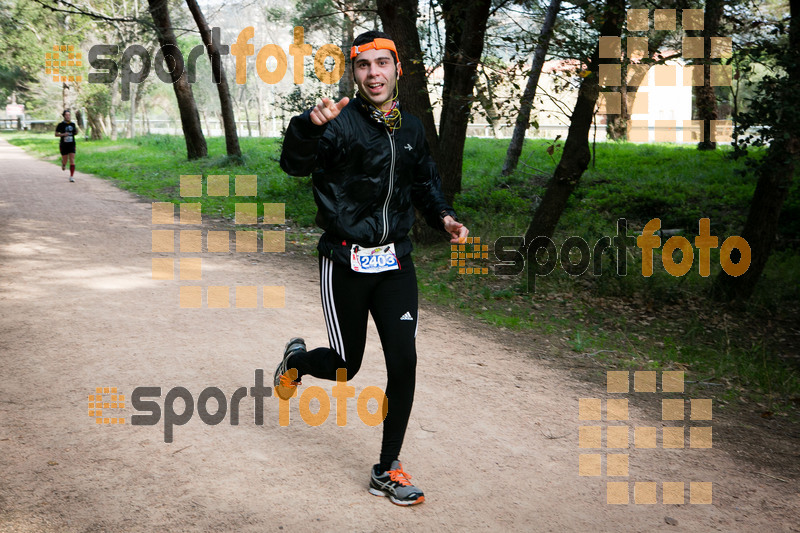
368	37
65	112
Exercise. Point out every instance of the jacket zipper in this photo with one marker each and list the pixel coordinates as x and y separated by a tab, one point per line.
389	194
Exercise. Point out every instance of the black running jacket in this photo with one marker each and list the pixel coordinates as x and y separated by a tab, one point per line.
367	179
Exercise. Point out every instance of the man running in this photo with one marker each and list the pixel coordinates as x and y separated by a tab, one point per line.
67	130
371	167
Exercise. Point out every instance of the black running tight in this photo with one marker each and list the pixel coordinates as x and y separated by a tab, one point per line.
391	298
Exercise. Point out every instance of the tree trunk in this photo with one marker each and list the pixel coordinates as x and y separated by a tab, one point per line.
775	177
190	118
465	28
210	40
346	83
483	91
399	18
576	155
260	114
526	103
96	124
113	110
132	116
704	97
245	102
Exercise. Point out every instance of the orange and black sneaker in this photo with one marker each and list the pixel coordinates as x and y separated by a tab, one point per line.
284	380
395	485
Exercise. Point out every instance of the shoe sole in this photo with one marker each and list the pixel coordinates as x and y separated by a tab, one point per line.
285	393
378	492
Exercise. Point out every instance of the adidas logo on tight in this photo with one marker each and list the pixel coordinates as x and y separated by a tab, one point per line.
407	316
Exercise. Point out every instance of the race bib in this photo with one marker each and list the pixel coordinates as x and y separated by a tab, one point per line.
68	139
373	260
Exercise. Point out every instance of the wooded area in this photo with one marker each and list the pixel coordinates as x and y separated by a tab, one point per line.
463	59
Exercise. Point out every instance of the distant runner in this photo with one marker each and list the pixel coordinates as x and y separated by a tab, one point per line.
67	130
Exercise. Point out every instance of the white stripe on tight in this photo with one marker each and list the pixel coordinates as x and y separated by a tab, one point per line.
329	308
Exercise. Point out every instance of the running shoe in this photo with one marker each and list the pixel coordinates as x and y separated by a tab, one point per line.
395	485
71	179
284	385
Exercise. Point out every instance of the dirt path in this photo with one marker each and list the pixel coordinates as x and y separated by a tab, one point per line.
493	437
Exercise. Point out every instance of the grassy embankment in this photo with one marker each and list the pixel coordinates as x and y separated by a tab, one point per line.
747	353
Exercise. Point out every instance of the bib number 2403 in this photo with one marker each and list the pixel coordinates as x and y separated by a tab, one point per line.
373	260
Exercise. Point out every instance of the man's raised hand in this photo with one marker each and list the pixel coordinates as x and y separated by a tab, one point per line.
327	110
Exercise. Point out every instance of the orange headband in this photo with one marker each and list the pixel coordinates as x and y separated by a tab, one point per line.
378	44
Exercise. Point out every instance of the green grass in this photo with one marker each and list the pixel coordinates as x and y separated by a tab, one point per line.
632	321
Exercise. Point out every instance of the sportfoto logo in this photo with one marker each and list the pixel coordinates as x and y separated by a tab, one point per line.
142	400
100	57
508	250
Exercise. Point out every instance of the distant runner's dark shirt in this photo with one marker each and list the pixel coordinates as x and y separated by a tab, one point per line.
67	127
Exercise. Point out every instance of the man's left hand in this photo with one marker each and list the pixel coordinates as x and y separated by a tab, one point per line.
457	230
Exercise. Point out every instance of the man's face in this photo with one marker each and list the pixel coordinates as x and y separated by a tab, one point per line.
376	75
66	116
